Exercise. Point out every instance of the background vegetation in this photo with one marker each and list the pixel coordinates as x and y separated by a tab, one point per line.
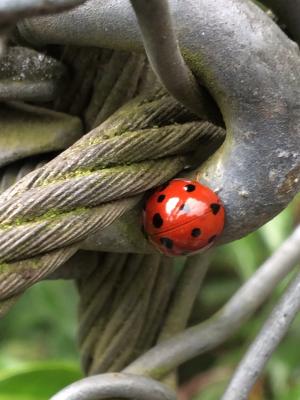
38	354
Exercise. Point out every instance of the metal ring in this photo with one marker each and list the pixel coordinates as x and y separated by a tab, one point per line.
253	72
164	54
115	385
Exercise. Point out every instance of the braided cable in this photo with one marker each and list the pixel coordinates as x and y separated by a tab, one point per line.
119	307
75	194
118	298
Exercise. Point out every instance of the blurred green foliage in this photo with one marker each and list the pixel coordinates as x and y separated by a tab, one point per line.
38	354
234	264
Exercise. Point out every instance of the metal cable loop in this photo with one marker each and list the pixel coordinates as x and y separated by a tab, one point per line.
114	385
161	45
62	192
56	206
26	272
258	98
231	318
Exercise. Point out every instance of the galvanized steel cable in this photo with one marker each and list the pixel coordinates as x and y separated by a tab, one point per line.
86	187
167	356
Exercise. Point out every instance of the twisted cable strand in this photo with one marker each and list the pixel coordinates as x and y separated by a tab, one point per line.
16	277
83	63
125	86
33	238
31	235
86	190
119	327
123	317
160	298
116	316
50	207
137	331
102	290
68	183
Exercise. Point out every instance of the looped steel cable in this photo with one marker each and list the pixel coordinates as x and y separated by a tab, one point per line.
114	385
89	185
232	46
103	166
161	45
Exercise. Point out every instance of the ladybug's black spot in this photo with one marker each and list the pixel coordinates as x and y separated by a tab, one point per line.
168	243
161	198
189	188
215	208
196	232
157	220
163	186
211	239
182	206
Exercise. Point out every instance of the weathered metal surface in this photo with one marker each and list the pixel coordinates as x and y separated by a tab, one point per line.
115	385
252	70
11	10
28	130
28	75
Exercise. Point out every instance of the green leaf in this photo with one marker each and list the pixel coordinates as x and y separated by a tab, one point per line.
37	381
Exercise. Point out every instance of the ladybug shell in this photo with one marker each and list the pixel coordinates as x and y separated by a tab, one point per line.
183	217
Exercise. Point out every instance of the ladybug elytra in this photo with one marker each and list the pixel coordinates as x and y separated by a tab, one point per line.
182	217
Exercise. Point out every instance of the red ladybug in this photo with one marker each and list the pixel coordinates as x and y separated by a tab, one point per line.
182	217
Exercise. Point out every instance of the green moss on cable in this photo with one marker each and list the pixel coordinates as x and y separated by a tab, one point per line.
49	216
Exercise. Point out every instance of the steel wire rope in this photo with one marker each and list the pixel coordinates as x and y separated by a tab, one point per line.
87	187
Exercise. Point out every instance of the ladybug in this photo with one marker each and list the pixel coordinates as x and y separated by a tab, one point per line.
182	217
